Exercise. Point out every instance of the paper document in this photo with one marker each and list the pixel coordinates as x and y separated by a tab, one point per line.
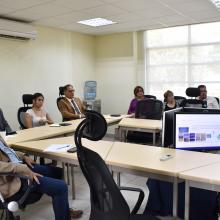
58	148
54	125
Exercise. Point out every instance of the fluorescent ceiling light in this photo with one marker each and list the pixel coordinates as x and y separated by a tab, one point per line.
216	3
96	22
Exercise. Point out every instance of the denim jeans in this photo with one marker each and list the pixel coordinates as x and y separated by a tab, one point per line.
51	184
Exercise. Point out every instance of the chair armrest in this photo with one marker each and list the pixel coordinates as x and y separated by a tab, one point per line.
30	184
140	198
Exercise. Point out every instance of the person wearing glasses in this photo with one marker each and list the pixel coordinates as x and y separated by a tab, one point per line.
138	95
70	106
37	116
211	101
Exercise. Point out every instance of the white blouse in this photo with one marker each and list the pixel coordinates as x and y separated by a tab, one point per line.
35	118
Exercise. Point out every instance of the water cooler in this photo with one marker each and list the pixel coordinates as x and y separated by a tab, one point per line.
90	100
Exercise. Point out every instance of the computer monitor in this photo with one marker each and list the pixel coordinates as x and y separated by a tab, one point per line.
198	110
197	131
167	127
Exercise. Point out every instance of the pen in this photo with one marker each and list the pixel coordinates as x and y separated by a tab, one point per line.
63	147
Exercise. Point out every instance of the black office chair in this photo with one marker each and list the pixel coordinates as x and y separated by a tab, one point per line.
107	202
149	109
146	109
61	96
27	101
9	207
194	103
179	99
150	96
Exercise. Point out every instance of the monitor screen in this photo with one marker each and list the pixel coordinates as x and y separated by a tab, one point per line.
167	130
197	131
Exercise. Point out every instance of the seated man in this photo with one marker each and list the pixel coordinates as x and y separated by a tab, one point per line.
4	126
46	180
211	101
70	106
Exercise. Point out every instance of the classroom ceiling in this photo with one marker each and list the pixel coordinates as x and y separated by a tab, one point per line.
131	15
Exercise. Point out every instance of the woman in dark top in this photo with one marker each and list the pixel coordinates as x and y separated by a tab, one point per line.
169	100
139	95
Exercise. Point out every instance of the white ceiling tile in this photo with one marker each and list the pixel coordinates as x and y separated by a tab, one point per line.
173	18
59	20
109	1
130	14
194	6
40	11
21	4
132	5
5	10
79	4
103	11
156	12
126	17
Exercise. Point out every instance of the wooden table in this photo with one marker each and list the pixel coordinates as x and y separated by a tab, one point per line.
142	125
37	148
145	161
115	120
205	177
44	132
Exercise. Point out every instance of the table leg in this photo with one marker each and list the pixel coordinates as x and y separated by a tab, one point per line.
187	200
73	182
154	138
118	178
175	197
120	134
67	173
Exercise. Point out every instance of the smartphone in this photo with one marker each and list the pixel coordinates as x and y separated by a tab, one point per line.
72	150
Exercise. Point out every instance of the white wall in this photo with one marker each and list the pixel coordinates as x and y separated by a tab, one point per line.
119	68
56	58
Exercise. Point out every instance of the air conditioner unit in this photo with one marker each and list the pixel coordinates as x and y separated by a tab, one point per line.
17	30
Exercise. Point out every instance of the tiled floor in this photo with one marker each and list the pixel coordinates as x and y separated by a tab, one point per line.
43	209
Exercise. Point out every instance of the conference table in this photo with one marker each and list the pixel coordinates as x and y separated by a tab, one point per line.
141	125
145	161
205	177
37	148
51	131
197	169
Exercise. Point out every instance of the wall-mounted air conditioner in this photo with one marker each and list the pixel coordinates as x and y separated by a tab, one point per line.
17	30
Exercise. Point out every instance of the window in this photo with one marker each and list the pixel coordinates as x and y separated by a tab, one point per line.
179	57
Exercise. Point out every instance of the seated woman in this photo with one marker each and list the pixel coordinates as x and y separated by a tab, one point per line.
169	100
139	95
37	116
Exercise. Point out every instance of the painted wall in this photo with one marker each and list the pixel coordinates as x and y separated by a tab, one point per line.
55	58
58	57
119	68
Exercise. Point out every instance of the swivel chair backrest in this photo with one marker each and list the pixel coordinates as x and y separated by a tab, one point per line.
107	202
150	96
27	101
149	109
179	99
193	92
61	96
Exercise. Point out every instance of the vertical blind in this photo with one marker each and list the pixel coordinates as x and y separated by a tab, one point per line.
184	56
